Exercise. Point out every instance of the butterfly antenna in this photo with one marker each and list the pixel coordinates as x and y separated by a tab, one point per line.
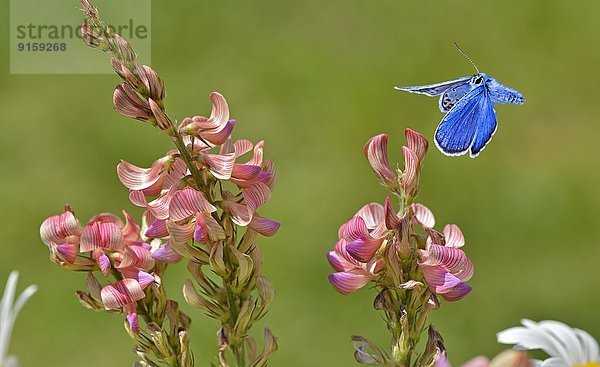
467	56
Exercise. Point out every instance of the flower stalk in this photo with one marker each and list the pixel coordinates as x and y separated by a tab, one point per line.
200	205
409	262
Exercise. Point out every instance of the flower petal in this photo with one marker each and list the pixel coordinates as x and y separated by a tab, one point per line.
454	236
451	259
101	235
376	152
372	214
265	226
123	292
58	227
188	202
423	215
348	282
166	254
411	171
417	143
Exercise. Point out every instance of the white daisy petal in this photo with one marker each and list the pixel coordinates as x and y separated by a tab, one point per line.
555	362
590	346
567	337
531	337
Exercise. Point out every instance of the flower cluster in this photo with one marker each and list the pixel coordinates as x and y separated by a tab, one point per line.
200	203
408	261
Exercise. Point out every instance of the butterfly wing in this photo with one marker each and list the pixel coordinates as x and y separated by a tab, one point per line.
454	94
433	90
470	124
502	94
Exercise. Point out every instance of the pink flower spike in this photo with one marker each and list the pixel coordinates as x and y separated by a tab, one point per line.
123	292
58	227
101	235
166	254
181	233
376	152
411	170
454	236
187	202
417	143
423	215
350	281
265	226
240	214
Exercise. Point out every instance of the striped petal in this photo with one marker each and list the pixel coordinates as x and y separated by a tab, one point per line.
131	230
265	226
159	207
218	135
423	215
245	171
143	278
181	233
58	227
158	229
256	195
457	293
417	143
148	180
240	213
451	259
339	262
101	235
440	280
123	292
411	171
67	252
221	166
137	257
102	261
257	157
454	236
372	214
242	147
392	221
350	281
188	202
376	152
364	249
166	254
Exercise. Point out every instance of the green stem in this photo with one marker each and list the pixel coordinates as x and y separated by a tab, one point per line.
187	158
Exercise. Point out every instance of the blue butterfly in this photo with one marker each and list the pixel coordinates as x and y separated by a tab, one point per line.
470	120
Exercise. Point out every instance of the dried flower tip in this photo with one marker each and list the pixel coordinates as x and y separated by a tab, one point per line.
126	53
90	37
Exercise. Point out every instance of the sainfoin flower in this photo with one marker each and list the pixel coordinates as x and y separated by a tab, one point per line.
566	346
106	244
9	309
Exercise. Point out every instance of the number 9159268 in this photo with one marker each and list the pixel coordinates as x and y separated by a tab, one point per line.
42	46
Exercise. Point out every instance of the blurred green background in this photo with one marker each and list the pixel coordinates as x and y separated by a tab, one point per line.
314	79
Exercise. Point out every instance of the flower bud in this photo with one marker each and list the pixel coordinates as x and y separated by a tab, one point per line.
162	121
245	267
93	286
126	53
128	103
216	261
244	320
88	302
194	299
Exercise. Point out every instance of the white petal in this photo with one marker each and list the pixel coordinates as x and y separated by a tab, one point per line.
590	346
555	362
567	337
531	337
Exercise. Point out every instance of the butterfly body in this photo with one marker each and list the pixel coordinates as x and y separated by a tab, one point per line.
470	120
